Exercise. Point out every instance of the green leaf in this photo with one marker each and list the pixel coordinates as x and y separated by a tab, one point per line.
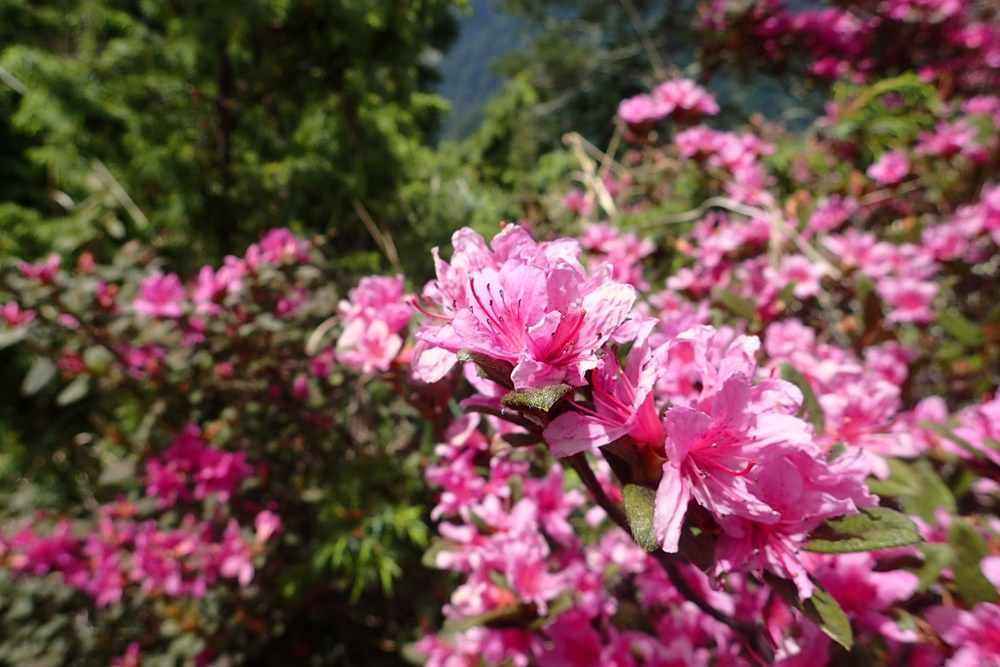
540	398
837	450
961	329
874	528
97	358
498	370
970	549
42	371
810	404
936	558
947	434
118	473
640	502
74	391
740	306
902	481
826	612
820	608
932	493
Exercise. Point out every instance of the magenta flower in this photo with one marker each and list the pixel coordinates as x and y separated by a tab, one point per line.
160	296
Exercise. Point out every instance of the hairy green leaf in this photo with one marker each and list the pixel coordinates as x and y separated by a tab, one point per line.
874	528
540	398
639	506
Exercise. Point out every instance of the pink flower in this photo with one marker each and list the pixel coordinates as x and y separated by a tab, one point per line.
278	246
160	296
191	462
12	314
623	405
865	594
132	657
538	310
975	634
547	321
375	317
578	202
803	273
236	559
641	109
684	100
909	298
948	139
709	459
802	491
624	252
212	287
267	524
44	272
892	167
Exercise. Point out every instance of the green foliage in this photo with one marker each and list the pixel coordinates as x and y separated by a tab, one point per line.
874	528
198	126
639	504
347	480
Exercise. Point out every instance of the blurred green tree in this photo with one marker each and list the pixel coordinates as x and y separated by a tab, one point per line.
195	125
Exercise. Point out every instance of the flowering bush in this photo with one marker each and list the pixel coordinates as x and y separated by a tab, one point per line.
750	417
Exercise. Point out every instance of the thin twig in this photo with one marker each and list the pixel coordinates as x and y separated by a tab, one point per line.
119	193
773	217
316	337
383	240
593	182
659	69
12	81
